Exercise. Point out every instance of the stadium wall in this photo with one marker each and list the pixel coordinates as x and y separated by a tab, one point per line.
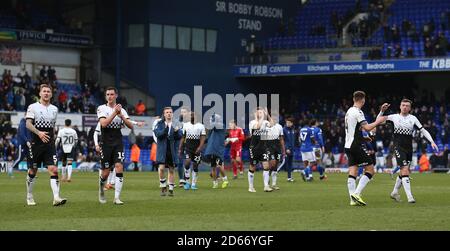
165	72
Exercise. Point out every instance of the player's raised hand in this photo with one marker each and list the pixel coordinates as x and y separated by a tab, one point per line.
118	109
97	148
381	119
44	136
384	107
435	147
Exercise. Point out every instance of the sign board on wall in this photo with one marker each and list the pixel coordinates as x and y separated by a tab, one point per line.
375	66
42	37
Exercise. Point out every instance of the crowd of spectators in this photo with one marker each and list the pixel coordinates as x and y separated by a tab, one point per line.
19	90
365	26
433	114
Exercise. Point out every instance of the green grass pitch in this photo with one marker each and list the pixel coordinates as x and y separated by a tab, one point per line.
320	205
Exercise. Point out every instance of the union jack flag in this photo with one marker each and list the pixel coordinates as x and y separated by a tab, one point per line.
10	55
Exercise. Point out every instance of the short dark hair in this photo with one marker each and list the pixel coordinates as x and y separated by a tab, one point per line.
407	100
291	119
109	88
45	86
358	95
67	122
167	108
312	122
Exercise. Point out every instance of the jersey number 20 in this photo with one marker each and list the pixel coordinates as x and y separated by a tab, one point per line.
68	140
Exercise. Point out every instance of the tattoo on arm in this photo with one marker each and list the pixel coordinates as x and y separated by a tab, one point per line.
31	127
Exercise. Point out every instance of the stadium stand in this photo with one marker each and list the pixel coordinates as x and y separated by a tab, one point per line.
404	29
30	17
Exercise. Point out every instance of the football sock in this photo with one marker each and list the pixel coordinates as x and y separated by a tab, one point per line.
351	184
362	183
118	185
54	184
398	184
407	187
266	177
274	178
250	178
69	171
30	184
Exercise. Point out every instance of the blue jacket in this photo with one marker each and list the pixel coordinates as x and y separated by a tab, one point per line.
216	137
23	133
216	142
289	138
164	138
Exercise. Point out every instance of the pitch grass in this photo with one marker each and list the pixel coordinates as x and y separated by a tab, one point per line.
297	206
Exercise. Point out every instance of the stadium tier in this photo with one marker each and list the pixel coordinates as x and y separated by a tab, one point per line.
319	24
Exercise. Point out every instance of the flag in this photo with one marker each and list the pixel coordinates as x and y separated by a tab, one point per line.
10	55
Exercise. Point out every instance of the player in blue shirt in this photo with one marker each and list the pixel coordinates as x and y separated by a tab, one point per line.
318	147
307	142
24	139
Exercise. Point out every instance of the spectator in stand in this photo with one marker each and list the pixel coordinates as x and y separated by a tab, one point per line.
413	34
432	25
62	97
63	107
410	53
27	80
73	105
389	52
19	100
395	34
441	45
43	73
140	108
51	74
428	48
387	33
406	26
398	51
